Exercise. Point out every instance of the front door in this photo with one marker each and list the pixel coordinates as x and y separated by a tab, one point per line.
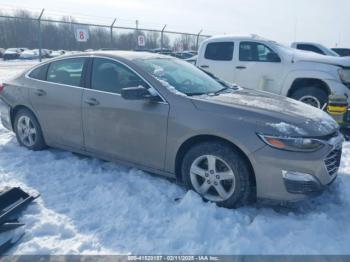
133	131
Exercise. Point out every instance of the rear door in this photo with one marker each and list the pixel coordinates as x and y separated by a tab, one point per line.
57	101
133	131
218	58
258	67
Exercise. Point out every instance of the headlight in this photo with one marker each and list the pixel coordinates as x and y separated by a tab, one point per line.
344	75
292	143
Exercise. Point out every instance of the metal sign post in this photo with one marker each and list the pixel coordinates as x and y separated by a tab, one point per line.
111	31
161	38
197	41
39	36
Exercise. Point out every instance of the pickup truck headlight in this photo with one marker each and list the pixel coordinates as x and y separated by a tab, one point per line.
344	75
297	144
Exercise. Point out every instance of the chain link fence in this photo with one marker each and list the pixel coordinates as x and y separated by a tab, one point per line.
24	29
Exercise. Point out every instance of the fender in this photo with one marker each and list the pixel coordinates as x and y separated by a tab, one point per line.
304	73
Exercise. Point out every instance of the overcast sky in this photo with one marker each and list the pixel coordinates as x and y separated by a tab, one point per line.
323	21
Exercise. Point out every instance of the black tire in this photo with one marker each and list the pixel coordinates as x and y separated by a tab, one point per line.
243	191
312	91
39	142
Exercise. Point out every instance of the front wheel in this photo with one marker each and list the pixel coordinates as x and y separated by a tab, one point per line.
28	131
218	173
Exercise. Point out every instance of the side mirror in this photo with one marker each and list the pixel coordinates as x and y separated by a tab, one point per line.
273	57
137	93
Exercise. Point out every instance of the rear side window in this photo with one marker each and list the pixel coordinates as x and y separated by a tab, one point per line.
220	51
67	71
110	76
39	73
310	48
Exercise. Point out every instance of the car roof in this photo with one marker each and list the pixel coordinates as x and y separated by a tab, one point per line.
235	38
128	55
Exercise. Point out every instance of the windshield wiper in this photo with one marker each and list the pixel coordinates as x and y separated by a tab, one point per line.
195	94
222	90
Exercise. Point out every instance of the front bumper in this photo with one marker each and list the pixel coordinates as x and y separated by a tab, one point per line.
313	172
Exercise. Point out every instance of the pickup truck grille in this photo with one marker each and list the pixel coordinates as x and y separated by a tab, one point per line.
332	161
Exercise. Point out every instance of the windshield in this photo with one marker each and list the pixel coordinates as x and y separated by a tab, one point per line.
181	75
329	51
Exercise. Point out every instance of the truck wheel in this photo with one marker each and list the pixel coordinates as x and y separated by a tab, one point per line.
28	131
218	173
313	96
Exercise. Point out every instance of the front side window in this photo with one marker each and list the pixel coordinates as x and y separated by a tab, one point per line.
256	52
310	48
68	71
179	75
220	51
110	76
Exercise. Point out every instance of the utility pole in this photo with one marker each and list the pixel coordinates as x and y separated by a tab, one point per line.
39	36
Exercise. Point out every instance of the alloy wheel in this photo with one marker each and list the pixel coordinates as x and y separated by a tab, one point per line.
212	178
26	131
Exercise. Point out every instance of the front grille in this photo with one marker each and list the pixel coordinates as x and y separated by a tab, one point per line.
332	161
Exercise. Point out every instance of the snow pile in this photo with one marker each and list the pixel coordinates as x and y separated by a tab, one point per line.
88	206
287	129
94	207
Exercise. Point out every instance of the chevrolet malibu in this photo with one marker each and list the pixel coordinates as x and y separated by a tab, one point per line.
165	116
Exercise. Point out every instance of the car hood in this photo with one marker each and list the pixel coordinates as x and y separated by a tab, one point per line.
272	113
304	56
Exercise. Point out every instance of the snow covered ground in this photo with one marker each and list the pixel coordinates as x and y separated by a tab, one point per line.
88	206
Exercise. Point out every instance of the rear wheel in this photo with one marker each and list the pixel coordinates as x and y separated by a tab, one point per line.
313	96
218	173
28	131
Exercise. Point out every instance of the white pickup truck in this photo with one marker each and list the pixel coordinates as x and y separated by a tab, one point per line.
261	64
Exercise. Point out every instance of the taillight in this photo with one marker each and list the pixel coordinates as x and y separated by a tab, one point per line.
2	87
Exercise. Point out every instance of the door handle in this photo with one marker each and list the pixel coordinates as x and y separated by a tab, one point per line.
92	102
204	66
39	92
240	67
